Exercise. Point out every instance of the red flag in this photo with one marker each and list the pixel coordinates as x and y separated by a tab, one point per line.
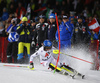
94	25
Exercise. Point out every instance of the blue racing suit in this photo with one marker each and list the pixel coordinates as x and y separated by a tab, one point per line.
65	35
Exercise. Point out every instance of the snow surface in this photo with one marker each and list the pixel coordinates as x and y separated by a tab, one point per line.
41	75
44	75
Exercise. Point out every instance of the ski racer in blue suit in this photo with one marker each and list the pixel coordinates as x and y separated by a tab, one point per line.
65	33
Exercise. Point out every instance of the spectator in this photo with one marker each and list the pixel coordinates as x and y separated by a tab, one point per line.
20	11
5	15
95	35
32	3
24	32
41	29
2	30
80	34
52	27
85	12
13	40
65	33
33	26
64	6
2	5
59	19
11	9
11	16
62	13
9	19
72	23
33	43
12	5
72	16
90	19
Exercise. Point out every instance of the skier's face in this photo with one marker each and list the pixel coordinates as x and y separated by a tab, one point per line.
47	48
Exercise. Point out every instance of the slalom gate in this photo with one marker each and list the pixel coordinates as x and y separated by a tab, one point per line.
3	49
94	50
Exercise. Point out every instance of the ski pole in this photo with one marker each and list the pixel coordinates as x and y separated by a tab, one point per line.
19	66
56	52
16	66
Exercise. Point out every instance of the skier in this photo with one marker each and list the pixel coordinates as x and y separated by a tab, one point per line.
47	59
45	54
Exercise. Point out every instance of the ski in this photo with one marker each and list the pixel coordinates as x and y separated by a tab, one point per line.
60	70
80	75
66	73
72	72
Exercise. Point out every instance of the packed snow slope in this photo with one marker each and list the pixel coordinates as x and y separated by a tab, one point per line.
41	75
44	75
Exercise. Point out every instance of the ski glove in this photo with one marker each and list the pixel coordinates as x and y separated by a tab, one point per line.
31	65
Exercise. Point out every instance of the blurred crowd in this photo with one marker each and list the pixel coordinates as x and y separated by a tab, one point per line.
35	21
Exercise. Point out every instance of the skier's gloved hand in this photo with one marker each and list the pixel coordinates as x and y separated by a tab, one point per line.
31	65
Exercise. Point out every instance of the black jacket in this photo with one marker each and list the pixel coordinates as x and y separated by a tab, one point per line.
41	30
80	34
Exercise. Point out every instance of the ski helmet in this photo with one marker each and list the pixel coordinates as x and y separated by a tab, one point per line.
47	44
52	15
